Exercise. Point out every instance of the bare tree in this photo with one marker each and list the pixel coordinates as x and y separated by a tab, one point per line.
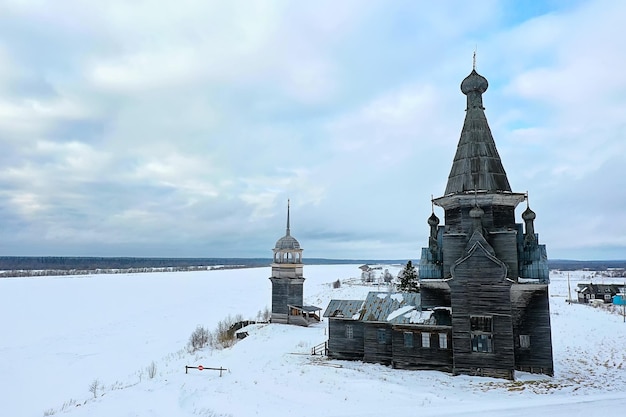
200	338
266	314
152	370
94	387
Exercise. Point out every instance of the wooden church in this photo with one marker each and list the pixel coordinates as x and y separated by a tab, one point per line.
288	283
483	306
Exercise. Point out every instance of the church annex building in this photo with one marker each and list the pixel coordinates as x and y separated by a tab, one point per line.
483	305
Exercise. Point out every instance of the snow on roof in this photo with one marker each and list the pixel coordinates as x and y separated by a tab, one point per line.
378	306
522	280
344	308
398	297
420	317
610	287
400	311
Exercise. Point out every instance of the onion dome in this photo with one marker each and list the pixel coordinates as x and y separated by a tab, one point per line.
474	83
433	220
476	212
528	214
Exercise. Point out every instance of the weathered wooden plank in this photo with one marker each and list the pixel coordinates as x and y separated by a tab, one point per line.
340	346
377	343
532	319
433	357
286	291
479	288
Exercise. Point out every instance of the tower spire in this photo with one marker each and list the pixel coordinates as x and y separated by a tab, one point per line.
474	59
288	231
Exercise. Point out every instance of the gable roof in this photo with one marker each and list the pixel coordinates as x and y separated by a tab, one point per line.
390	307
344	308
597	288
480	249
393	308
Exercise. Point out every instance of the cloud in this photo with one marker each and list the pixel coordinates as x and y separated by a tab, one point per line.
181	130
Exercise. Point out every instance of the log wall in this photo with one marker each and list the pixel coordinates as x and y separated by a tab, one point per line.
504	244
418	357
286	291
531	303
479	288
339	346
374	351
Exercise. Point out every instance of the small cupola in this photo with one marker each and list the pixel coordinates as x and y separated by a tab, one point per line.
474	83
529	217
287	248
433	220
476	213
473	86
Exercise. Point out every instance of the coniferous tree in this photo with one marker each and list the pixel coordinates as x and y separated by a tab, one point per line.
408	279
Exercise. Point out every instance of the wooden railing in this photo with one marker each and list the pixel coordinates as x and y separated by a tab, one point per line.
321	349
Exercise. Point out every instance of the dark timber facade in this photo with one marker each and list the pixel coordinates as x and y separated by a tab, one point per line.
487	271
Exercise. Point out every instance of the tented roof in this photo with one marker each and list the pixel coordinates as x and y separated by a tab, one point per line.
477	164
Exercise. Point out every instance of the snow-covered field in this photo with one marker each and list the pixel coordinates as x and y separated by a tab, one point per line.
59	334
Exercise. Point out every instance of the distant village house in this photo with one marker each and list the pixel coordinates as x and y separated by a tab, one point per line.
605	293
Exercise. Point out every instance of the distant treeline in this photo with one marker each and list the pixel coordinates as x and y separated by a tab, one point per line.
66	262
64	265
566	265
26	266
60	272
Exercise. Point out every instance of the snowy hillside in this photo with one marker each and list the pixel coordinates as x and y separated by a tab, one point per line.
59	334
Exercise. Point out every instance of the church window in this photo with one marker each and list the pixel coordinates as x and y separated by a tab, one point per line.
481	330
481	324
349	331
482	343
524	341
425	340
443	341
408	339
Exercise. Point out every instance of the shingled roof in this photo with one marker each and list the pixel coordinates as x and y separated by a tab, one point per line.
477	164
344	308
384	306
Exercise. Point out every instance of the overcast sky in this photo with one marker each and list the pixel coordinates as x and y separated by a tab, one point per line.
180	128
